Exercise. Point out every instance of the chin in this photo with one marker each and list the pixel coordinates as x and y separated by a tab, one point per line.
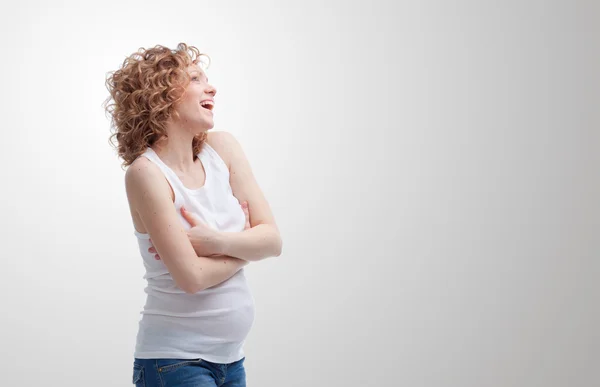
205	125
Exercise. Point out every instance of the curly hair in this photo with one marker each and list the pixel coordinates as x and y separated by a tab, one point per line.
144	92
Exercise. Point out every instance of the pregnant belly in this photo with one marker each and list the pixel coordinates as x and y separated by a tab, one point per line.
221	313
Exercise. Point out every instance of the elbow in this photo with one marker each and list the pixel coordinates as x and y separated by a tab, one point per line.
193	286
189	276
189	288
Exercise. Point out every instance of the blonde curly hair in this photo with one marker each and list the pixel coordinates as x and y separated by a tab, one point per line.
144	93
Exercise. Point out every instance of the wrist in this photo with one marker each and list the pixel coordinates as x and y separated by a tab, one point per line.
222	242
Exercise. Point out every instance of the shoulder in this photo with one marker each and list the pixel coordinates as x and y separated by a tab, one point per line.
225	144
141	170
143	177
221	139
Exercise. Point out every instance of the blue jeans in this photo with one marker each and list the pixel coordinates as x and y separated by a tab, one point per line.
188	373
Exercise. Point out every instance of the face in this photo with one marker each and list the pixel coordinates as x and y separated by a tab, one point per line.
196	107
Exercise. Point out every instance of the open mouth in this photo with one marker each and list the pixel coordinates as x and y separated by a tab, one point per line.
208	105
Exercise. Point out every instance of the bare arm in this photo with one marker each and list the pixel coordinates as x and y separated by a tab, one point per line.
262	240
149	196
220	269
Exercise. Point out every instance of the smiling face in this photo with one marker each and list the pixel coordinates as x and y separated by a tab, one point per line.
196	106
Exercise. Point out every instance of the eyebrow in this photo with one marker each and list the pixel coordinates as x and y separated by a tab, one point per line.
199	73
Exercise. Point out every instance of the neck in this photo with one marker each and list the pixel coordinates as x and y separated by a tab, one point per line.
176	150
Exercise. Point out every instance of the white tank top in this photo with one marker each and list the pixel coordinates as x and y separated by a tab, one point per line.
211	324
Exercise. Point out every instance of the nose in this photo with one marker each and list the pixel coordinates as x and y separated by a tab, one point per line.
210	89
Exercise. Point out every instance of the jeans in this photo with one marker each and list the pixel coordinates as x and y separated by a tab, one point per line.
188	373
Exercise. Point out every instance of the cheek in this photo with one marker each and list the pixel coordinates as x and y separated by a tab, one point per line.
190	108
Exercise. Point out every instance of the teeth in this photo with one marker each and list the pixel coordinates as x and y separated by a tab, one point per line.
207	104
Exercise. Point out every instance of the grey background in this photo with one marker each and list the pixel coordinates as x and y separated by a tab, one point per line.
433	167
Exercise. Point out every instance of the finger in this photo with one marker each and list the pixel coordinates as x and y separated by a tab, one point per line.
191	219
157	257
152	250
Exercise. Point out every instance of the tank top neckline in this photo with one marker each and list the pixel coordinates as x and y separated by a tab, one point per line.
202	157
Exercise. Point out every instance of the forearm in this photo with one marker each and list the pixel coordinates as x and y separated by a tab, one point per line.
253	244
211	271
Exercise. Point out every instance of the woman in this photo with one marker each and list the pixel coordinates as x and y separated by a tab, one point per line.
184	187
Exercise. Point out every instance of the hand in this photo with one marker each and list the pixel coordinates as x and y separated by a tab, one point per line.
195	222
205	240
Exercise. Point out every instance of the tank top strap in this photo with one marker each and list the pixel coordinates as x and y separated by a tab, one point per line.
210	155
168	172
171	177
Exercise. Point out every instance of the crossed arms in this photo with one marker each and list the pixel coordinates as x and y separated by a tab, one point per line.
201	258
